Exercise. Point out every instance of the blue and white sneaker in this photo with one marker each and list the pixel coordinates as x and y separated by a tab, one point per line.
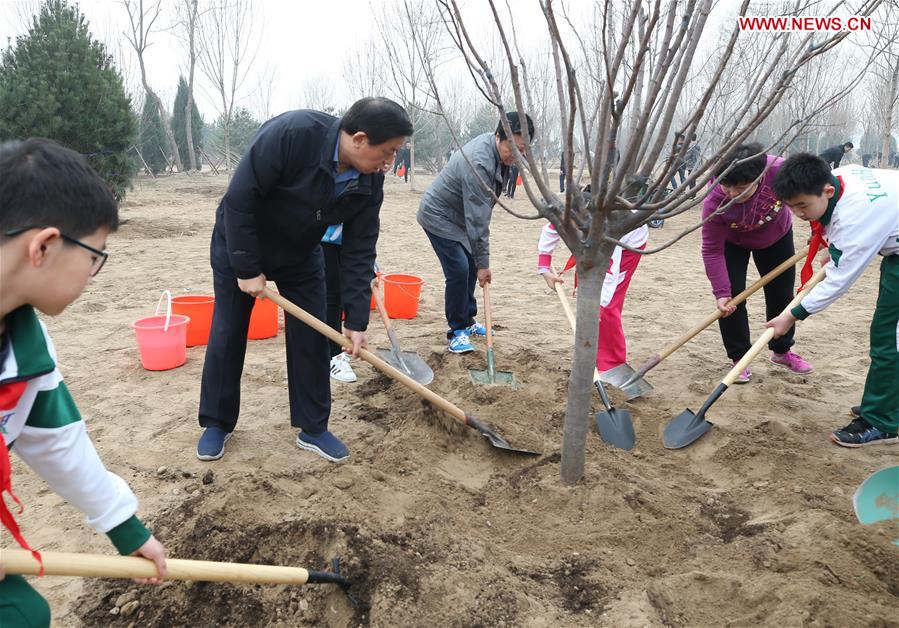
325	445
477	329
460	342
211	445
860	433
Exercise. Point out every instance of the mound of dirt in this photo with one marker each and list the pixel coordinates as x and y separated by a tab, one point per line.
751	525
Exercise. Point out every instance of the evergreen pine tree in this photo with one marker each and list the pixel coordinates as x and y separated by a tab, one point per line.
152	137
179	123
58	82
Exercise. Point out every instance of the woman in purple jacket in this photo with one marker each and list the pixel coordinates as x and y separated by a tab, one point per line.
755	223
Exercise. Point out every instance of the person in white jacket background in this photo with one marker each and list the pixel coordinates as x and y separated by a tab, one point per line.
612	345
857	209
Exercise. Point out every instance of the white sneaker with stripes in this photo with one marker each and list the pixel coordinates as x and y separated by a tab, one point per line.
341	369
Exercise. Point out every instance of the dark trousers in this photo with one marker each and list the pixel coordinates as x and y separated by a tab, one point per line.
562	181
778	294
682	171
512	182
334	304
406	172
461	274
308	382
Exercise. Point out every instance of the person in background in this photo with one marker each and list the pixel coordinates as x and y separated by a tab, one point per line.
511	181
405	156
691	159
834	154
562	174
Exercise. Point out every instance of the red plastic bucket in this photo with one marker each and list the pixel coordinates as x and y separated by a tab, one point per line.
162	340
199	309
401	295
263	320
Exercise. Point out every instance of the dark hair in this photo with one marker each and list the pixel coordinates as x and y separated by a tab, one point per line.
803	173
746	172
848	145
45	184
379	118
515	124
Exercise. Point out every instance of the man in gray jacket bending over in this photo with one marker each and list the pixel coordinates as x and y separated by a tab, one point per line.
455	213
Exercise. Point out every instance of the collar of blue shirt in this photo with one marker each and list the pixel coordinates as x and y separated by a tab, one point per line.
347	175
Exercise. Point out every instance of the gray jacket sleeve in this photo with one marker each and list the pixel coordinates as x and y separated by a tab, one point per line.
477	202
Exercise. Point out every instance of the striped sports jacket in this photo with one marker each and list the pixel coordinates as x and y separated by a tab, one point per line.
41	424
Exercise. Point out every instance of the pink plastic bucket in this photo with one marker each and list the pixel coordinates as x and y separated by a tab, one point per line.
162	340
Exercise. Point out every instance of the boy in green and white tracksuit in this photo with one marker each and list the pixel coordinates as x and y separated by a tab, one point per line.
55	214
858	209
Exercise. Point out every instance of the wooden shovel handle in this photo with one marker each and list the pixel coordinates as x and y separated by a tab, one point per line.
769	333
101	566
379	301
737	300
368	356
569	314
488	316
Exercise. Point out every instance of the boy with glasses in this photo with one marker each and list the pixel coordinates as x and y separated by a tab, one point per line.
55	214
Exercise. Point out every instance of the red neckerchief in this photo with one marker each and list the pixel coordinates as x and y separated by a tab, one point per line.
9	397
818	240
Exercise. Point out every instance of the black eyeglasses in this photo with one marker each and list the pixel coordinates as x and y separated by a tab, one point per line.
97	260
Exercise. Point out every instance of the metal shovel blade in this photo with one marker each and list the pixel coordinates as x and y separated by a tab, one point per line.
483	376
684	429
408	363
490	375
616	428
495	439
619	376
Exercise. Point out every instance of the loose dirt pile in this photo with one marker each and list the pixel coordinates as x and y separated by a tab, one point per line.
751	525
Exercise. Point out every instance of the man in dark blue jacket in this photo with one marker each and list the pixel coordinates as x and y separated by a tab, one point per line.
303	171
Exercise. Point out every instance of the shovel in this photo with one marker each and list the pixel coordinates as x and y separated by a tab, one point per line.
428	395
491	375
686	427
22	562
635	382
615	426
407	362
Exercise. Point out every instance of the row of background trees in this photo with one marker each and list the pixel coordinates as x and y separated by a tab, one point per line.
219	42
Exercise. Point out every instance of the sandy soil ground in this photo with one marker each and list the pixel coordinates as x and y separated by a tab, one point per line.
752	525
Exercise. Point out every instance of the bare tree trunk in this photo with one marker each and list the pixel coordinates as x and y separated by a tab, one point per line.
193	11
893	95
580	382
141	22
228	49
412	162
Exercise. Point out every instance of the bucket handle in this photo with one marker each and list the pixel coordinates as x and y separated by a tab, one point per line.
166	294
402	287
